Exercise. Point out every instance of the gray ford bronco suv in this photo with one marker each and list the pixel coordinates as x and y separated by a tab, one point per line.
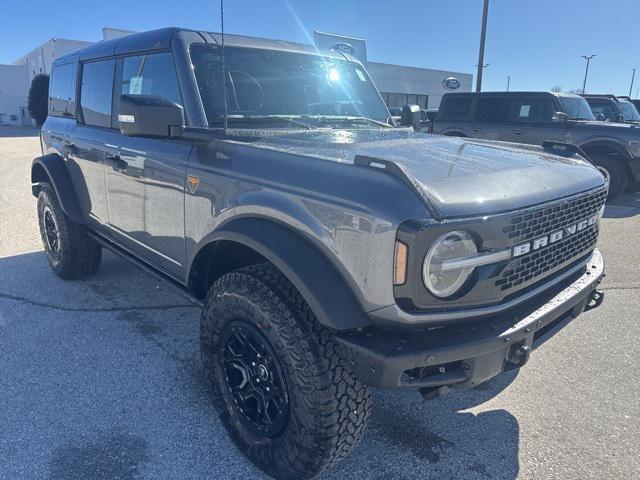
331	251
536	117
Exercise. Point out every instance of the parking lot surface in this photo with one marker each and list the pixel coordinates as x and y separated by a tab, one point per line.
102	378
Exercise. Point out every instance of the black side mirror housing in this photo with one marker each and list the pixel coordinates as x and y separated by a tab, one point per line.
601	117
148	116
410	116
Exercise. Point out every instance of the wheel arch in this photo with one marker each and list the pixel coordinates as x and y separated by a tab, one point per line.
252	240
51	169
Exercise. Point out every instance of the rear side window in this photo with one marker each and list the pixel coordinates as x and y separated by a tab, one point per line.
456	106
153	74
493	109
62	91
533	110
96	93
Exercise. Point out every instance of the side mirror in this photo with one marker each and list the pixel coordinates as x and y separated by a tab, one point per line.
148	116
559	117
410	116
601	117
620	118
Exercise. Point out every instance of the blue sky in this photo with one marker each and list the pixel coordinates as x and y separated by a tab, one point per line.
538	43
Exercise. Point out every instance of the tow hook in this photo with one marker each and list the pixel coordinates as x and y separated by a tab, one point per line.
597	297
517	356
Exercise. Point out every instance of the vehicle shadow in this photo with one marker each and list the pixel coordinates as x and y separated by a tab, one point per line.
625	206
10	131
116	387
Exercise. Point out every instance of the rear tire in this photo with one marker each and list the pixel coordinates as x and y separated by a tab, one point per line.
71	252
322	409
617	172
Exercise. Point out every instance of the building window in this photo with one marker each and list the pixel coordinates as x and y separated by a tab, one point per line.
402	99
397	100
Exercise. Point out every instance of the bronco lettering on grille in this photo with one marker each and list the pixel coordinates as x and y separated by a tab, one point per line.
536	244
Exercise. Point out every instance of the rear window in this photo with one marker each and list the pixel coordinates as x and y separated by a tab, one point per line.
533	110
456	106
493	109
96	93
62	91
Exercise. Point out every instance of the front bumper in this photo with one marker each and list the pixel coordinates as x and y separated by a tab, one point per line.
467	354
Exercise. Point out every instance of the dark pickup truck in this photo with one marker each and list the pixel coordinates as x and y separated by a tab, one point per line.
331	251
536	117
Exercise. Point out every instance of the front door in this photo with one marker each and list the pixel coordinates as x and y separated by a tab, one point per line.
531	121
145	177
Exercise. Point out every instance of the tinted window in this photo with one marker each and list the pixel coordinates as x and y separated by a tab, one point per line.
493	109
151	75
456	106
534	110
96	93
261	83
62	90
576	107
604	107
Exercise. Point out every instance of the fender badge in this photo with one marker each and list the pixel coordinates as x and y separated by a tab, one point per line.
192	183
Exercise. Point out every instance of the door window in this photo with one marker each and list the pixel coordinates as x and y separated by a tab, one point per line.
533	110
153	74
457	106
96	93
495	110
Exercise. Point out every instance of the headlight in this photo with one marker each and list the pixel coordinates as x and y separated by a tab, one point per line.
444	282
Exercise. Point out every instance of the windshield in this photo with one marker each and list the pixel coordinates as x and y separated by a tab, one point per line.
628	111
267	83
576	108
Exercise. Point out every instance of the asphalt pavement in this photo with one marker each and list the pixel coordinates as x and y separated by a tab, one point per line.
101	378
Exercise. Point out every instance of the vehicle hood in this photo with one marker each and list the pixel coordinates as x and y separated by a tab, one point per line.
456	177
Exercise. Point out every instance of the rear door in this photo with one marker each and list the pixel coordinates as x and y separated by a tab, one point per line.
492	118
531	121
145	178
86	144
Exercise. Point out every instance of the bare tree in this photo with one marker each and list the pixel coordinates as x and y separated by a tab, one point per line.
556	88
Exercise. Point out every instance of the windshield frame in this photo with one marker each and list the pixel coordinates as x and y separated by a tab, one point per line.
363	75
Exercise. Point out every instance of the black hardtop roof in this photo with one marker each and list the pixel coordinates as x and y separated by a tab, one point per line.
161	39
510	94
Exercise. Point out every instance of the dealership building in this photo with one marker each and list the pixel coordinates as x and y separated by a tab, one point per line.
398	84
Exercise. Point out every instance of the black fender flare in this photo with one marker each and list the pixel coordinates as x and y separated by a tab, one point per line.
615	146
319	283
51	168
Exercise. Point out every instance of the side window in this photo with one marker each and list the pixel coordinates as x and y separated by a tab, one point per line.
153	74
96	93
457	106
494	110
533	110
62	91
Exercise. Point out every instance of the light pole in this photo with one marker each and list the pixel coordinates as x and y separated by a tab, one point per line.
508	82
483	34
633	75
586	71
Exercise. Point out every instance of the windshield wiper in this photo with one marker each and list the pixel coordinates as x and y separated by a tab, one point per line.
268	119
349	120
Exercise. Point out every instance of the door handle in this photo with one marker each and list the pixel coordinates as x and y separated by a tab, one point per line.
519	132
72	147
117	161
476	130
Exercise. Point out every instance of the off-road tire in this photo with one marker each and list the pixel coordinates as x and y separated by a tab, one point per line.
78	255
618	174
329	407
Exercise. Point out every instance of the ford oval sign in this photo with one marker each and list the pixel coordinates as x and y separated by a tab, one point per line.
451	83
344	47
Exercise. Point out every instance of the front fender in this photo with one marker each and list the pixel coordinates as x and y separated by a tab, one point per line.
51	169
324	289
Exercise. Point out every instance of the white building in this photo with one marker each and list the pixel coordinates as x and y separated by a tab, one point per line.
398	84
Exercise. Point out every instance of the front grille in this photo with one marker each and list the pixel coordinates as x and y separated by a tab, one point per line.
526	270
528	267
544	221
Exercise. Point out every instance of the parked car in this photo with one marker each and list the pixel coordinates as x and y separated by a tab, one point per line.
535	117
636	102
605	109
628	112
331	253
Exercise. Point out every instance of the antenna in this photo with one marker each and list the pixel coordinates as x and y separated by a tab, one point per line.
224	69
